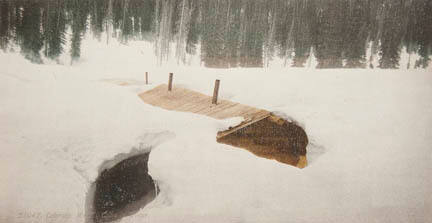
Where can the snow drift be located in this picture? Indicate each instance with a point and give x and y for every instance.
(369, 132)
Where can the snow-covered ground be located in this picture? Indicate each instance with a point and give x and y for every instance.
(370, 132)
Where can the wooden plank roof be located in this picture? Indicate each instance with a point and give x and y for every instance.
(185, 100)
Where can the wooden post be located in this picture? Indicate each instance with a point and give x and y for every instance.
(170, 81)
(216, 92)
(146, 77)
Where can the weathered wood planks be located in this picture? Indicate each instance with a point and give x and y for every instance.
(185, 100)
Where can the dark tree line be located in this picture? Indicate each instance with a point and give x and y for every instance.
(229, 33)
(40, 27)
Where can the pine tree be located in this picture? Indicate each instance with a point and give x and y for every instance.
(163, 26)
(79, 12)
(54, 28)
(127, 27)
(194, 29)
(391, 39)
(213, 49)
(5, 29)
(305, 16)
(408, 40)
(356, 34)
(423, 32)
(30, 35)
(331, 18)
(147, 14)
(252, 34)
(98, 14)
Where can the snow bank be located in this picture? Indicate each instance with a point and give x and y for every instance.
(370, 133)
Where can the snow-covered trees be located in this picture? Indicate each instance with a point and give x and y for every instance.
(230, 33)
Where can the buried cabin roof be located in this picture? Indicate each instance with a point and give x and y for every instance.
(262, 133)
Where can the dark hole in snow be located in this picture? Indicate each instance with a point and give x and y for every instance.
(122, 189)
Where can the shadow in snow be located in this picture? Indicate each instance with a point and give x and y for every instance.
(314, 151)
(122, 188)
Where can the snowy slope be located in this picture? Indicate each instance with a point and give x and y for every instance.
(370, 134)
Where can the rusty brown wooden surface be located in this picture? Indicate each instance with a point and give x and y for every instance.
(271, 138)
